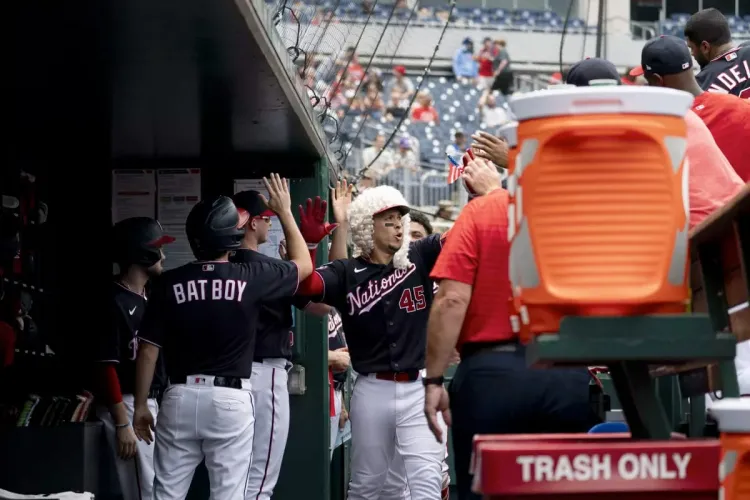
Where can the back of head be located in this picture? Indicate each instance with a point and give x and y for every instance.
(582, 73)
(708, 25)
(214, 227)
(137, 241)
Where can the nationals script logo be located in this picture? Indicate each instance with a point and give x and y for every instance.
(366, 295)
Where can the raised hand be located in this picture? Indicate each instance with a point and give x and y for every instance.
(312, 221)
(278, 191)
(481, 177)
(490, 148)
(341, 198)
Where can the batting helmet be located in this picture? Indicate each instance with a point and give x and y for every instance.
(138, 240)
(215, 226)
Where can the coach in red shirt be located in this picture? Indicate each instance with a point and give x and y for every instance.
(493, 391)
(666, 62)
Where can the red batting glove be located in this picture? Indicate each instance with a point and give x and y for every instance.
(312, 221)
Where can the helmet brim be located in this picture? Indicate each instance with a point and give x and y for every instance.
(403, 209)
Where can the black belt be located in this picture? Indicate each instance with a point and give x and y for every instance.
(474, 348)
(230, 382)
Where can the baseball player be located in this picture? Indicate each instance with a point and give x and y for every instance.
(204, 315)
(273, 354)
(137, 252)
(384, 294)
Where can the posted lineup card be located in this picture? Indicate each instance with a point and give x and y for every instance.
(574, 464)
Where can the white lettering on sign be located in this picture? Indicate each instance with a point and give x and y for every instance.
(630, 466)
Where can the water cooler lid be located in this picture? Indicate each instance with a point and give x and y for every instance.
(605, 99)
(509, 132)
(733, 415)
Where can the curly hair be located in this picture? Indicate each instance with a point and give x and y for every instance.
(362, 224)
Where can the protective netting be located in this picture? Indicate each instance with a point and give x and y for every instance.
(340, 50)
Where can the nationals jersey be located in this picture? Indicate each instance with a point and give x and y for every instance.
(274, 337)
(119, 345)
(728, 73)
(336, 340)
(204, 314)
(384, 310)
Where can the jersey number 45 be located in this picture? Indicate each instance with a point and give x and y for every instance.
(412, 299)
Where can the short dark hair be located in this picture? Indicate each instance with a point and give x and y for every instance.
(422, 219)
(708, 25)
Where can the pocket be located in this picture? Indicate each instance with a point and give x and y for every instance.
(227, 403)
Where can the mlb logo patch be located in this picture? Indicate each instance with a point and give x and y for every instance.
(208, 267)
(732, 56)
(686, 65)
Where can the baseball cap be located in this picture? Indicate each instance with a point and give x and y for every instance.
(404, 143)
(401, 70)
(251, 202)
(664, 55)
(593, 68)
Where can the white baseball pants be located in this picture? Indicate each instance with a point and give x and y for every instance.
(198, 420)
(136, 476)
(271, 398)
(387, 420)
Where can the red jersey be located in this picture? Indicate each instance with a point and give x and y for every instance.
(485, 62)
(728, 118)
(479, 240)
(424, 114)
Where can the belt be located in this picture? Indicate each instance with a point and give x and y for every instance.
(229, 382)
(474, 348)
(409, 376)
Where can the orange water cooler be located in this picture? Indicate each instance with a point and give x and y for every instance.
(598, 220)
(733, 415)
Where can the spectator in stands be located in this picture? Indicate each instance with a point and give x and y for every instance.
(486, 60)
(405, 158)
(373, 104)
(726, 116)
(492, 115)
(465, 67)
(420, 226)
(502, 71)
(712, 181)
(377, 161)
(424, 111)
(457, 149)
(402, 87)
(373, 81)
(348, 67)
(395, 109)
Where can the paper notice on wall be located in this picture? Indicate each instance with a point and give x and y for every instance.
(178, 191)
(133, 194)
(275, 233)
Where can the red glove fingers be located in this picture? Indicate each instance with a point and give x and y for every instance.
(312, 221)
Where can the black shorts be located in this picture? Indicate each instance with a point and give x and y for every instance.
(504, 83)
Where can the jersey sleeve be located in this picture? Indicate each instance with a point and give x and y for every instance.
(153, 327)
(459, 259)
(107, 344)
(428, 249)
(333, 276)
(274, 279)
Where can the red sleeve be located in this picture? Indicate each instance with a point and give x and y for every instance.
(312, 286)
(110, 384)
(459, 258)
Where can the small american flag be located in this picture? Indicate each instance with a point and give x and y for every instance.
(455, 171)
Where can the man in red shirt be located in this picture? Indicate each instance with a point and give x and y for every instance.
(424, 111)
(666, 62)
(493, 391)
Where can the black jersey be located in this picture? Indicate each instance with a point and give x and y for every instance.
(383, 309)
(728, 73)
(274, 336)
(119, 345)
(336, 340)
(204, 314)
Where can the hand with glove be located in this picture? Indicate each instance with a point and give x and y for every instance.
(312, 222)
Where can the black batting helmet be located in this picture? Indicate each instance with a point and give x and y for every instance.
(138, 240)
(215, 226)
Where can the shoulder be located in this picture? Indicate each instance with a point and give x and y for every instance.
(248, 256)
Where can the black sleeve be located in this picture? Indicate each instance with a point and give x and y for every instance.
(428, 249)
(333, 275)
(300, 302)
(152, 329)
(273, 279)
(107, 344)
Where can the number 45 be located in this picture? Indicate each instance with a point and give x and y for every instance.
(412, 299)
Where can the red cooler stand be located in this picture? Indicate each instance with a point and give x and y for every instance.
(594, 467)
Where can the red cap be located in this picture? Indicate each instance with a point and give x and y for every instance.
(400, 70)
(637, 71)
